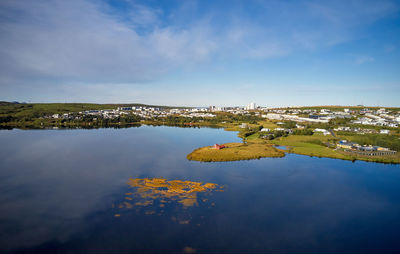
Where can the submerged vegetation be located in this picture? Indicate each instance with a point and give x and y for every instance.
(148, 191)
(235, 152)
(153, 196)
(159, 196)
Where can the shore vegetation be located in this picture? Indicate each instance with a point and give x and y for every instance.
(235, 152)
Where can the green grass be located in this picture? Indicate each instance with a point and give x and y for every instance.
(235, 152)
(21, 110)
(40, 109)
(253, 138)
(268, 124)
(307, 145)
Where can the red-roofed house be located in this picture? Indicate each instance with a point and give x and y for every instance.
(216, 146)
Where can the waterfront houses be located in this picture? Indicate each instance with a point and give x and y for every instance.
(367, 150)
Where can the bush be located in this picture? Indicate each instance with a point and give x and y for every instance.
(389, 141)
(308, 132)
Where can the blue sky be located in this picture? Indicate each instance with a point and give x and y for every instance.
(199, 53)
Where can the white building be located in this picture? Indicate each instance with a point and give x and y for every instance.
(381, 111)
(251, 106)
(274, 116)
(325, 132)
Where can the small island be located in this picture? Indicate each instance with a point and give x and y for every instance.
(234, 152)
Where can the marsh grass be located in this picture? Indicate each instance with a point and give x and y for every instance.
(235, 152)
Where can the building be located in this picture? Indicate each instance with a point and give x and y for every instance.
(384, 132)
(372, 152)
(381, 111)
(251, 106)
(367, 150)
(323, 131)
(218, 147)
(274, 116)
(345, 144)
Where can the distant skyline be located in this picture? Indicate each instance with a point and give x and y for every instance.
(201, 53)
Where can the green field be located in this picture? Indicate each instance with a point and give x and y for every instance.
(38, 115)
(20, 110)
(315, 146)
(235, 152)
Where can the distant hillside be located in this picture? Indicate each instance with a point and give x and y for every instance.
(29, 110)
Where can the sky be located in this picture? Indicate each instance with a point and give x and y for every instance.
(201, 53)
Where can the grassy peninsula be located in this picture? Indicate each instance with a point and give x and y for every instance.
(317, 145)
(235, 152)
(256, 146)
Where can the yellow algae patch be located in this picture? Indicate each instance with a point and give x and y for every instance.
(158, 191)
(117, 215)
(185, 192)
(189, 250)
(210, 185)
(188, 201)
(235, 152)
(128, 205)
(144, 203)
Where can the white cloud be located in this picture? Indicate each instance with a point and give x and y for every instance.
(364, 59)
(83, 41)
(388, 48)
(142, 15)
(76, 40)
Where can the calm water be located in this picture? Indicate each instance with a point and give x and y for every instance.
(72, 191)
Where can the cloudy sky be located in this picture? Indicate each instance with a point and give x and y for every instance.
(199, 53)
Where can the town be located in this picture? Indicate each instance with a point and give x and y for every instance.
(316, 131)
(364, 116)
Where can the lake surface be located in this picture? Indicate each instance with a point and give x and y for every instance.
(82, 191)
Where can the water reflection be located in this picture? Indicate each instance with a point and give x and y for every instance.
(157, 192)
(57, 188)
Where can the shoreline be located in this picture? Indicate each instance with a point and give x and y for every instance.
(235, 152)
(294, 145)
